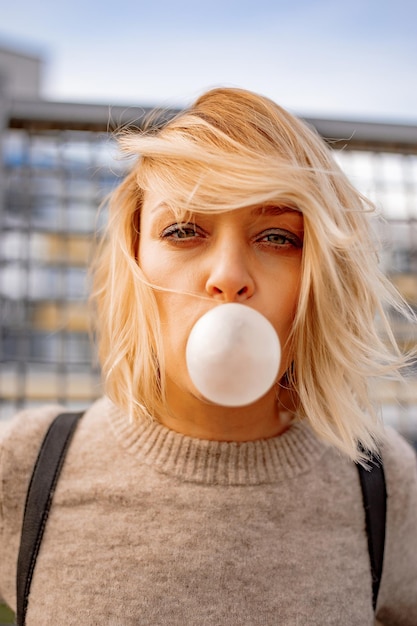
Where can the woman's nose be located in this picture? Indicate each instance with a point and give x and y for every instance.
(229, 278)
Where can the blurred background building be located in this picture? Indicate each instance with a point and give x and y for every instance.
(57, 163)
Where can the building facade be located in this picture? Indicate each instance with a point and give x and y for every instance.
(59, 161)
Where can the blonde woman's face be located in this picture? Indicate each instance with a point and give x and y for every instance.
(251, 256)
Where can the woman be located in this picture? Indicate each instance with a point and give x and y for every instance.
(172, 509)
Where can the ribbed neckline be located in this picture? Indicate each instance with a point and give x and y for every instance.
(217, 462)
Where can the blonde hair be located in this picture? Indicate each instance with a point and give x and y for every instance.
(232, 149)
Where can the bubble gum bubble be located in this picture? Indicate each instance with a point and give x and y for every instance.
(233, 355)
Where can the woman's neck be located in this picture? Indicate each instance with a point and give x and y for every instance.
(193, 416)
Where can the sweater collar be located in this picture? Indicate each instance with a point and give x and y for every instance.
(218, 462)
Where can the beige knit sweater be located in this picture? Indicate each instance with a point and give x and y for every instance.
(153, 528)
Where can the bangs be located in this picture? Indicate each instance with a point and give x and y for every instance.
(185, 185)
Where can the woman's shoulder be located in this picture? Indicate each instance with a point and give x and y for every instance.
(400, 467)
(398, 456)
(22, 434)
(20, 440)
(397, 598)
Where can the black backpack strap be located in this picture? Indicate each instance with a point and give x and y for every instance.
(374, 494)
(38, 503)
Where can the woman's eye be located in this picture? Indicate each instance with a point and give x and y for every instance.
(280, 238)
(180, 231)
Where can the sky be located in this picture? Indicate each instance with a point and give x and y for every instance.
(355, 59)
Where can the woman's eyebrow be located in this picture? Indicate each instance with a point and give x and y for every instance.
(274, 210)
